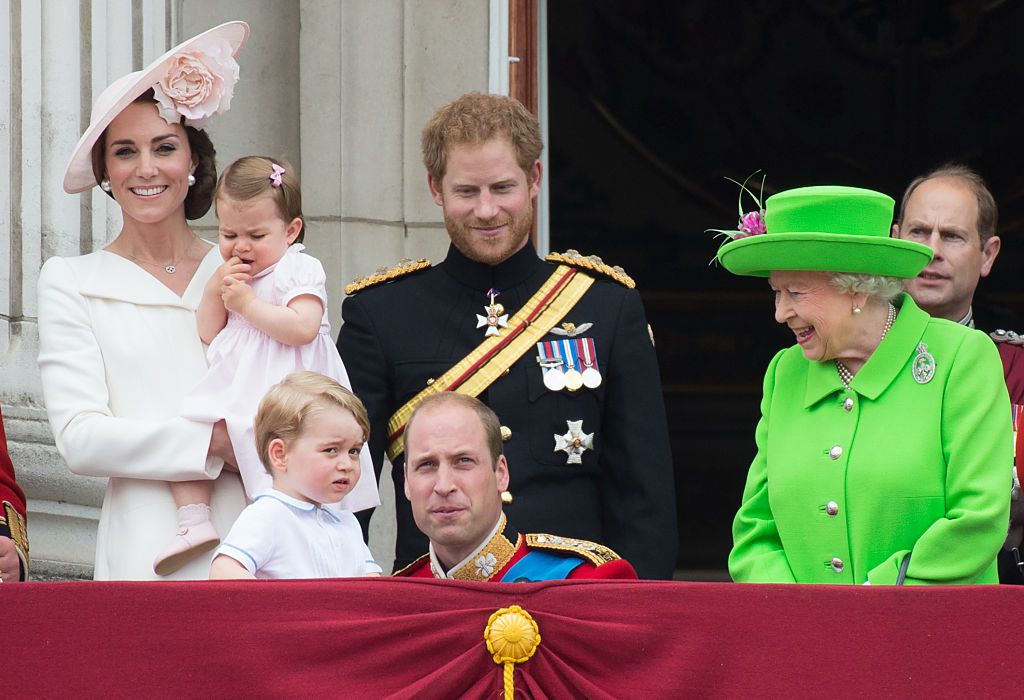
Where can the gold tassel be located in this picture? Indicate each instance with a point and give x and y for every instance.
(512, 637)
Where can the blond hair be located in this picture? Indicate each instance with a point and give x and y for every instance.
(250, 177)
(284, 409)
(476, 118)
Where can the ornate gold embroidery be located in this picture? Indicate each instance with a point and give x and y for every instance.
(404, 267)
(593, 263)
(492, 557)
(16, 524)
(596, 553)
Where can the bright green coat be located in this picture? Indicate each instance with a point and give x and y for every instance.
(924, 468)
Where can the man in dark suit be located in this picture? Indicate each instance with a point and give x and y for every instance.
(952, 211)
(558, 348)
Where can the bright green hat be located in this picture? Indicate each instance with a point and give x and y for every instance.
(828, 228)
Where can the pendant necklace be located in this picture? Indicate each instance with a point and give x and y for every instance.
(171, 267)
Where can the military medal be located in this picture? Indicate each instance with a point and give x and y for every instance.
(573, 378)
(496, 317)
(923, 366)
(575, 442)
(551, 364)
(591, 374)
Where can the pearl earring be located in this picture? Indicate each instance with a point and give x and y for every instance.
(856, 309)
(105, 185)
(191, 179)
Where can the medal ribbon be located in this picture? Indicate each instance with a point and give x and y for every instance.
(481, 367)
(589, 353)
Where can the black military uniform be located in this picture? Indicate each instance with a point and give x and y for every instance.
(399, 335)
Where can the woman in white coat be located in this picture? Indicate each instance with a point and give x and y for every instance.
(119, 345)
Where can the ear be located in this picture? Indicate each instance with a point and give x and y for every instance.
(405, 481)
(501, 473)
(536, 174)
(895, 230)
(293, 230)
(277, 451)
(435, 190)
(989, 252)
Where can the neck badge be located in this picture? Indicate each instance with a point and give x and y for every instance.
(575, 442)
(496, 317)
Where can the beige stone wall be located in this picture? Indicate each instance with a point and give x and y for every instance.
(341, 88)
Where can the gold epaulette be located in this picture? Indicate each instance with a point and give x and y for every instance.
(593, 552)
(592, 263)
(414, 564)
(404, 267)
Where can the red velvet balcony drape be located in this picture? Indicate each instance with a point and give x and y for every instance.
(420, 638)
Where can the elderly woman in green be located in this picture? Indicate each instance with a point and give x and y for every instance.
(884, 447)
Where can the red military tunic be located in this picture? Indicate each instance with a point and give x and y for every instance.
(12, 505)
(509, 557)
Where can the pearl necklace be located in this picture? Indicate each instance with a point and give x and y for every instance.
(845, 375)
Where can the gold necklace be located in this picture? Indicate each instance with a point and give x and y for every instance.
(845, 375)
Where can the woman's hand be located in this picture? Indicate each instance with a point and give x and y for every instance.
(220, 446)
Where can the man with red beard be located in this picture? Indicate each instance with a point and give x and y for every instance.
(558, 348)
(952, 211)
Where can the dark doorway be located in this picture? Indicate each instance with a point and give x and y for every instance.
(652, 104)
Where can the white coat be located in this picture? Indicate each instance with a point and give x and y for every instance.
(117, 352)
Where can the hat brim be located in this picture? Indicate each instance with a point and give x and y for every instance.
(78, 176)
(758, 256)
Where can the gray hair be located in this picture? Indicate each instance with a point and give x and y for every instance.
(881, 286)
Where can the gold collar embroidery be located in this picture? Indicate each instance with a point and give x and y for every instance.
(493, 555)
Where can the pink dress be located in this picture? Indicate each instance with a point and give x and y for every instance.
(245, 362)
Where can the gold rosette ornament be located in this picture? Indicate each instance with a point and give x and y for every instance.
(512, 637)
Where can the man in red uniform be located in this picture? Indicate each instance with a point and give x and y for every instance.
(13, 536)
(952, 211)
(454, 475)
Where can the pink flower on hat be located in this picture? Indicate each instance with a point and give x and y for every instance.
(751, 224)
(198, 84)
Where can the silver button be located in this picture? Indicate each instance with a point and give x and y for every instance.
(832, 508)
(837, 564)
(848, 404)
(836, 452)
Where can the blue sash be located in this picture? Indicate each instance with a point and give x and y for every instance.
(541, 566)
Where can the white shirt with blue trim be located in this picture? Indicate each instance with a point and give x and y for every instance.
(278, 536)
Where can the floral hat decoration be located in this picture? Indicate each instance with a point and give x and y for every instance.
(192, 82)
(828, 228)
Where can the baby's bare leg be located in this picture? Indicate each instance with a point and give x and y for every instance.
(188, 492)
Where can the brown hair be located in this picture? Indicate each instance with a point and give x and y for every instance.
(488, 418)
(284, 409)
(200, 195)
(476, 118)
(249, 177)
(988, 212)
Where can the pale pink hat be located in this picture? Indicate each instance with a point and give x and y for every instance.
(194, 80)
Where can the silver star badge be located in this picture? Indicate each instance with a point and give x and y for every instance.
(574, 442)
(492, 320)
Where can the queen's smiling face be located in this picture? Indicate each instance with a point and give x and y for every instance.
(818, 314)
(147, 162)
